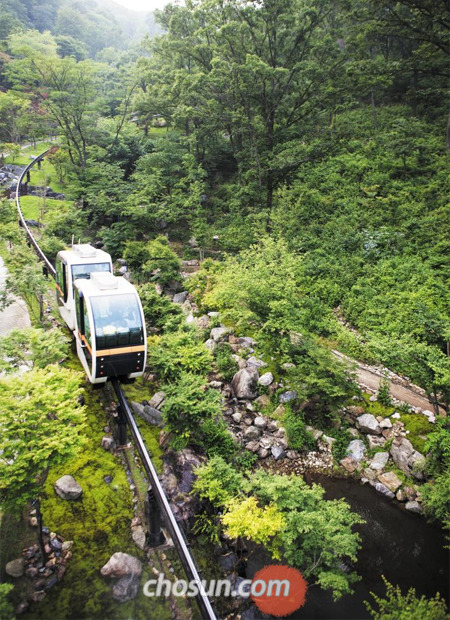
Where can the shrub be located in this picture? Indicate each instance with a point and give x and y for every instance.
(174, 353)
(159, 311)
(187, 406)
(297, 435)
(225, 364)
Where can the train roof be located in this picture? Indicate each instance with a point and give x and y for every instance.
(103, 282)
(84, 253)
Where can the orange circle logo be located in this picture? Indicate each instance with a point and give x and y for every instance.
(278, 590)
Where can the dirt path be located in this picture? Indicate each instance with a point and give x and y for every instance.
(412, 394)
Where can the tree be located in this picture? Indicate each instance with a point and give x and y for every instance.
(287, 515)
(32, 347)
(397, 606)
(42, 427)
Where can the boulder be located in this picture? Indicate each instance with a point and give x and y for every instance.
(252, 433)
(257, 363)
(263, 453)
(278, 452)
(253, 446)
(121, 564)
(15, 568)
(287, 397)
(356, 449)
(328, 440)
(210, 344)
(138, 536)
(386, 423)
(355, 411)
(349, 464)
(126, 588)
(383, 490)
(375, 441)
(157, 400)
(266, 379)
(390, 480)
(260, 422)
(379, 460)
(180, 298)
(147, 413)
(217, 333)
(68, 488)
(244, 383)
(413, 506)
(367, 423)
(237, 417)
(407, 458)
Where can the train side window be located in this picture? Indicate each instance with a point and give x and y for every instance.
(86, 324)
(79, 307)
(61, 278)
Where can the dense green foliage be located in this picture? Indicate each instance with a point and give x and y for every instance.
(397, 606)
(278, 511)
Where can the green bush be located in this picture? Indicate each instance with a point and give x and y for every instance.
(225, 364)
(159, 311)
(297, 435)
(173, 353)
(188, 405)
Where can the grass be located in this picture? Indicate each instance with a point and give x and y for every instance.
(418, 427)
(24, 157)
(32, 206)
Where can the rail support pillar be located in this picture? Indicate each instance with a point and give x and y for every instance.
(122, 426)
(155, 536)
(28, 176)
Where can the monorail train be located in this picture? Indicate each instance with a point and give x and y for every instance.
(103, 311)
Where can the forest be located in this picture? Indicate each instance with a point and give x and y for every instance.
(298, 151)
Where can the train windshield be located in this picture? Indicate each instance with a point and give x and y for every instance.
(117, 321)
(84, 271)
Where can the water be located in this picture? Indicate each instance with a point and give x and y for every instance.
(402, 546)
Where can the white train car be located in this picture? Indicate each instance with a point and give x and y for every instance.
(109, 327)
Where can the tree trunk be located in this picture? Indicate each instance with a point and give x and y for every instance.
(39, 532)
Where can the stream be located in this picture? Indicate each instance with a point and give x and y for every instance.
(400, 545)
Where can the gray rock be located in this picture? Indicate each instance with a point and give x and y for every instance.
(180, 298)
(353, 432)
(263, 453)
(138, 536)
(396, 416)
(383, 490)
(147, 413)
(157, 400)
(266, 379)
(257, 363)
(123, 269)
(375, 441)
(413, 506)
(367, 423)
(356, 449)
(266, 442)
(390, 480)
(328, 440)
(260, 422)
(252, 433)
(210, 344)
(15, 568)
(355, 411)
(217, 333)
(247, 342)
(227, 562)
(126, 588)
(237, 417)
(406, 458)
(121, 564)
(253, 446)
(244, 383)
(349, 464)
(386, 423)
(108, 443)
(292, 455)
(278, 452)
(379, 460)
(287, 397)
(67, 487)
(315, 432)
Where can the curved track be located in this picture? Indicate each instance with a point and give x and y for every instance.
(174, 529)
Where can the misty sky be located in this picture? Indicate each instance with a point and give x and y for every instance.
(143, 5)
